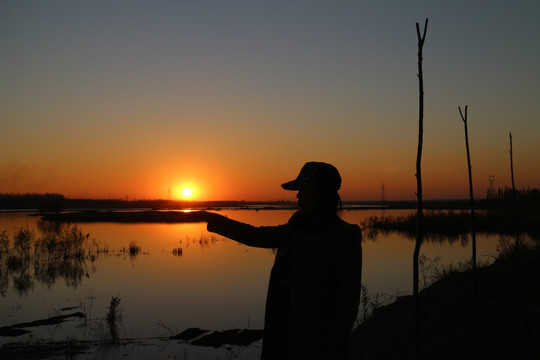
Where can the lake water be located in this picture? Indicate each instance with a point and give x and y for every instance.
(186, 277)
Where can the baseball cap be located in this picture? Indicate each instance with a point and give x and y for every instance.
(314, 173)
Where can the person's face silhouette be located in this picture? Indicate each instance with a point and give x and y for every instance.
(309, 199)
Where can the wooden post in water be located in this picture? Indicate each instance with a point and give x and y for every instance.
(419, 229)
(473, 230)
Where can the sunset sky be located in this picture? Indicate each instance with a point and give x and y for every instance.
(108, 99)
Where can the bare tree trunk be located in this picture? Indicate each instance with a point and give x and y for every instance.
(473, 230)
(516, 230)
(420, 217)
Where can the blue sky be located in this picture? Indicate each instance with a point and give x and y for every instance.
(110, 98)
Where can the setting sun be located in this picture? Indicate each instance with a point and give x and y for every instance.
(187, 192)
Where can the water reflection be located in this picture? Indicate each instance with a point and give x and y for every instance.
(373, 234)
(53, 227)
(16, 260)
(26, 258)
(62, 251)
(183, 276)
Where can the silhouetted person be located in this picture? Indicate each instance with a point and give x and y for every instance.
(314, 290)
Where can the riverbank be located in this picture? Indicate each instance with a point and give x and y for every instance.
(501, 322)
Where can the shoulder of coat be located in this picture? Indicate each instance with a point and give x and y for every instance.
(348, 227)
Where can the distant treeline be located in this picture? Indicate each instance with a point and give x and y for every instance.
(53, 202)
(57, 202)
(502, 198)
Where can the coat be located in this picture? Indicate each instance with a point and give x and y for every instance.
(314, 288)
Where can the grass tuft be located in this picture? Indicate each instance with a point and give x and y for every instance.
(134, 249)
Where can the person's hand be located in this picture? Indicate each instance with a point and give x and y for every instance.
(205, 215)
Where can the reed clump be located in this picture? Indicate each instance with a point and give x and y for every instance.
(24, 257)
(18, 256)
(134, 249)
(113, 316)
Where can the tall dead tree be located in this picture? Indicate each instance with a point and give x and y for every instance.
(471, 196)
(420, 217)
(514, 200)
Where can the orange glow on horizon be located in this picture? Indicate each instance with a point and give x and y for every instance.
(247, 179)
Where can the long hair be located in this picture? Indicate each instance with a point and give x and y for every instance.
(331, 205)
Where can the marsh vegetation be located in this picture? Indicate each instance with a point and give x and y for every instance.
(67, 254)
(27, 258)
(452, 224)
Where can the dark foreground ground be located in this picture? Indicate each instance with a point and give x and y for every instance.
(501, 322)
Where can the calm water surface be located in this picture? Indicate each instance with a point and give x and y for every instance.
(186, 277)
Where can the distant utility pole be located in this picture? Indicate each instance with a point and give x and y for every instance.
(169, 197)
(383, 198)
(491, 190)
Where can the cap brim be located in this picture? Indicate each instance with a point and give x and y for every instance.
(291, 185)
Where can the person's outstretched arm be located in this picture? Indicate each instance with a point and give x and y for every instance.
(263, 236)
